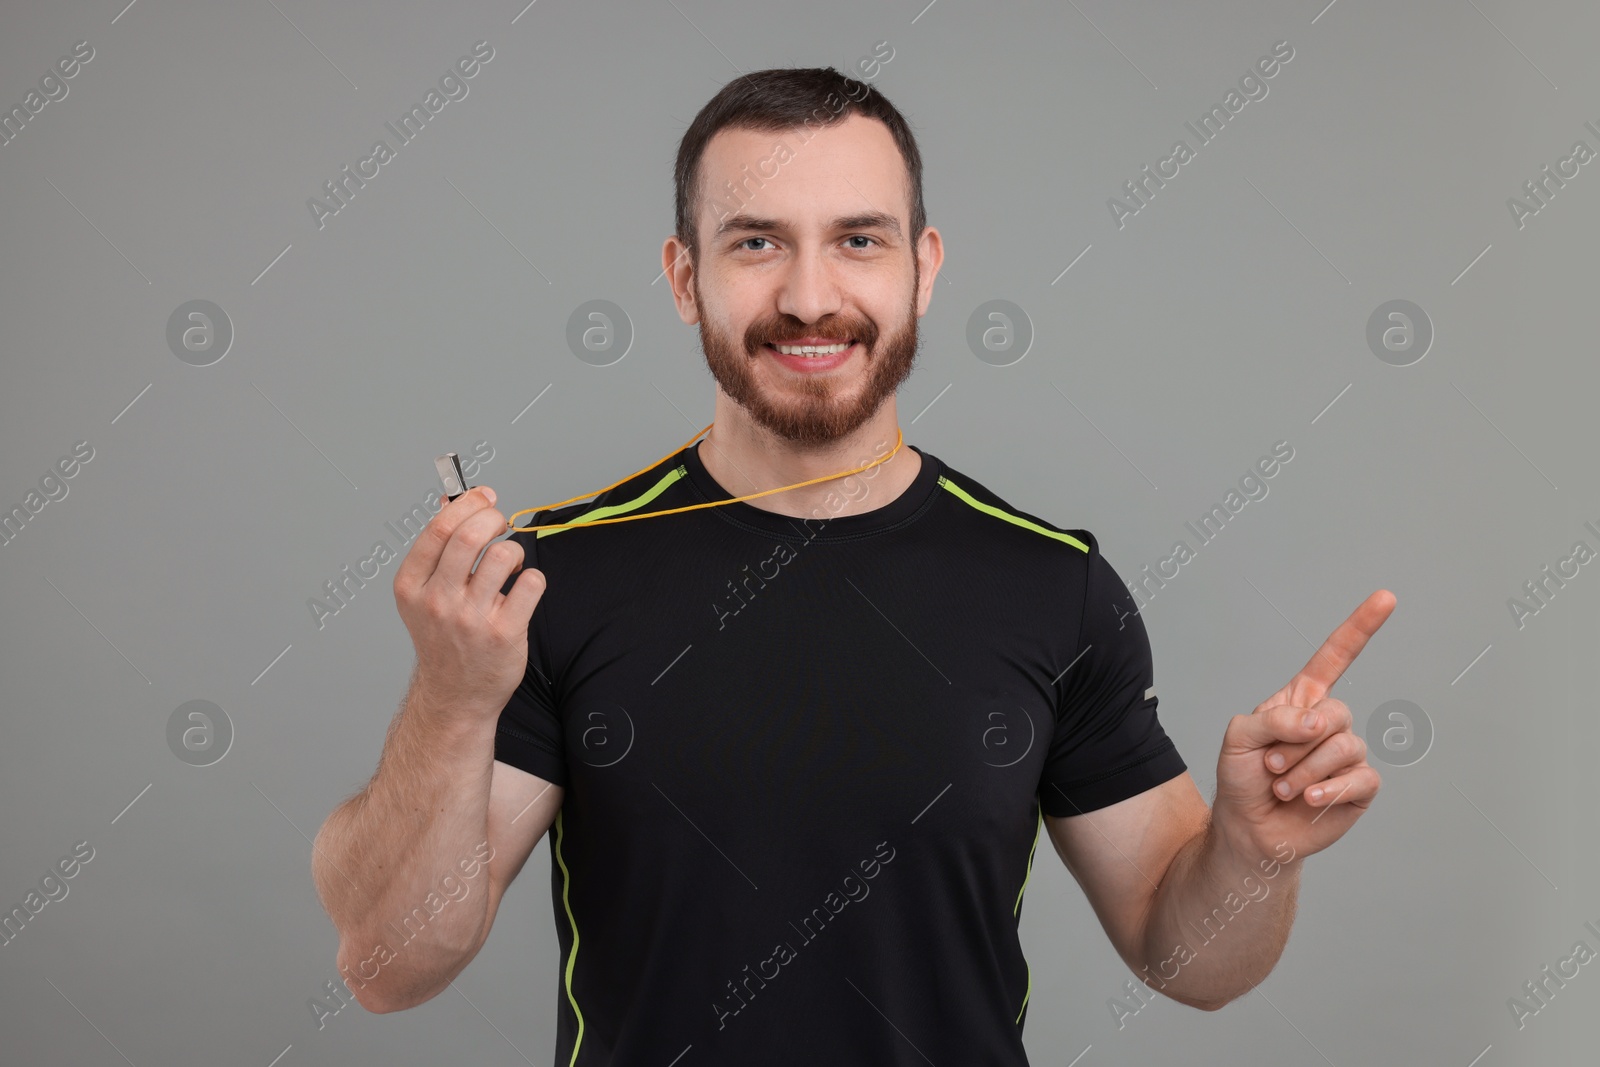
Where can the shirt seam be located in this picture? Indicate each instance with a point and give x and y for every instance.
(521, 735)
(1083, 613)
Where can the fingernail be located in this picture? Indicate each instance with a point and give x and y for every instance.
(1282, 788)
(1276, 761)
(489, 494)
(1315, 794)
(1309, 719)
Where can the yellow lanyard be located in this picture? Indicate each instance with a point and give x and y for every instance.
(691, 507)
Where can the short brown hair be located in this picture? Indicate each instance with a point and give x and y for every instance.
(787, 98)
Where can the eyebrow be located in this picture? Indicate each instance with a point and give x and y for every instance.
(870, 220)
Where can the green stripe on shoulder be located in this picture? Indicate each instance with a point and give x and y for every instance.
(1017, 520)
(630, 505)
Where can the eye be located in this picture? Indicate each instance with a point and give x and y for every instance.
(747, 240)
(861, 237)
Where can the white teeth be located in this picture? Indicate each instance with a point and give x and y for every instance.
(810, 350)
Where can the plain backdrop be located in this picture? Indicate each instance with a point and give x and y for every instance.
(431, 313)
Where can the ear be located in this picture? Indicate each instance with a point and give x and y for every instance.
(930, 255)
(678, 268)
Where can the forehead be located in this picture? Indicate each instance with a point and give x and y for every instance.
(805, 174)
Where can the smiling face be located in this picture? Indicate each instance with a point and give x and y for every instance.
(817, 255)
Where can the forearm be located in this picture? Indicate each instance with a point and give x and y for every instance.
(382, 859)
(1219, 921)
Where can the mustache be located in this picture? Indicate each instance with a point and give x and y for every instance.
(861, 333)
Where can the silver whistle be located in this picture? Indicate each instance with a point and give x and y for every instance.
(450, 474)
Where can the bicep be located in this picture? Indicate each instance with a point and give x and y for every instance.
(522, 807)
(1120, 853)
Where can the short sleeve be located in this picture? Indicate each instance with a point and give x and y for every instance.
(1108, 743)
(529, 733)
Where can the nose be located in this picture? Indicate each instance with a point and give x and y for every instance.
(809, 290)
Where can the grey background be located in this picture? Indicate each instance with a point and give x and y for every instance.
(1228, 314)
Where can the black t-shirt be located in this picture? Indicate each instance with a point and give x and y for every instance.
(807, 760)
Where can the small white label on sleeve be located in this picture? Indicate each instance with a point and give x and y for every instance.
(1148, 693)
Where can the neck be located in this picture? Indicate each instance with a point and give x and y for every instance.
(745, 457)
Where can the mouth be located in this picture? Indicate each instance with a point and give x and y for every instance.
(811, 358)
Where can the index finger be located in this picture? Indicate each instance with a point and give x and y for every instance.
(423, 559)
(1329, 662)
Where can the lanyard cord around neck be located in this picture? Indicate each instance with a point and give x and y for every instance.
(511, 523)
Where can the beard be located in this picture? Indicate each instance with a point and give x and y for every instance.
(810, 411)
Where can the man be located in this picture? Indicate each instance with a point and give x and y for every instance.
(797, 751)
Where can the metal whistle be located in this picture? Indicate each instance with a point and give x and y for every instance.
(450, 474)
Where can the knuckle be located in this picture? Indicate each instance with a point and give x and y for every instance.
(1343, 748)
(437, 605)
(486, 518)
(508, 551)
(437, 530)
